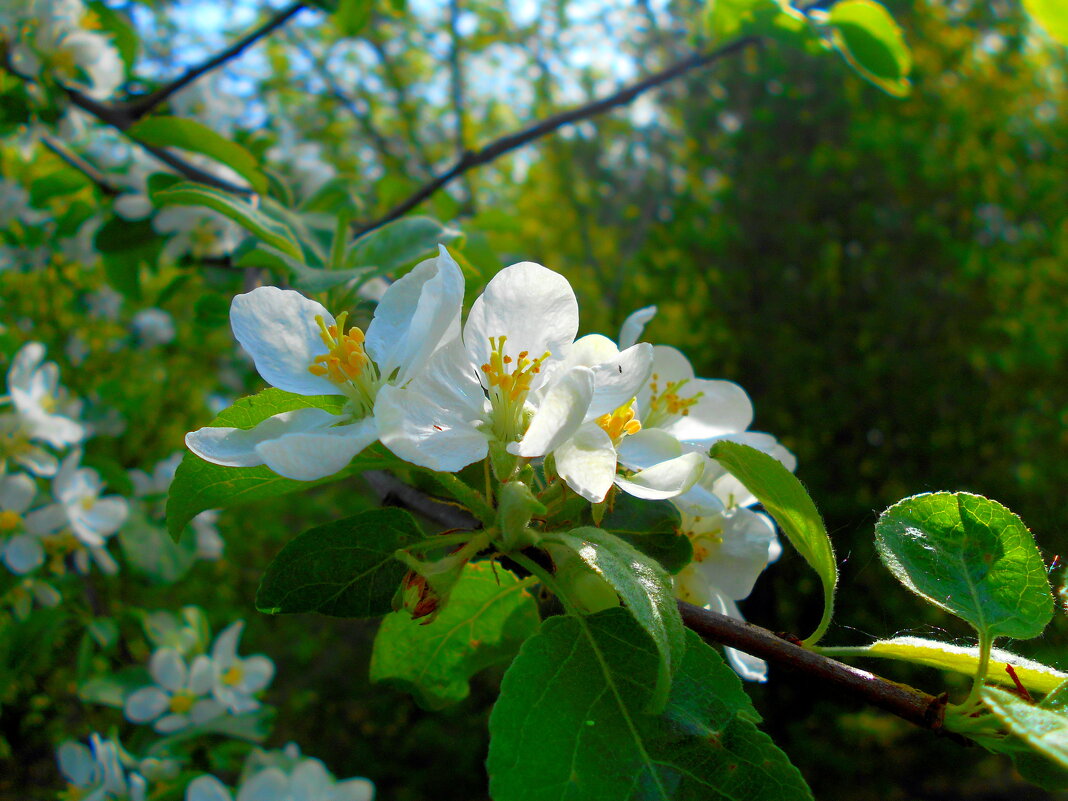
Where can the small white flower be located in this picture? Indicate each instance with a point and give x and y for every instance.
(308, 781)
(99, 773)
(153, 327)
(42, 412)
(236, 680)
(159, 481)
(77, 490)
(180, 696)
(504, 383)
(299, 347)
(20, 547)
(210, 544)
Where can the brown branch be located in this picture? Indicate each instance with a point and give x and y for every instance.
(394, 492)
(77, 162)
(908, 703)
(140, 106)
(505, 144)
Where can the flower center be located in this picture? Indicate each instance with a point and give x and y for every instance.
(181, 702)
(48, 403)
(668, 403)
(508, 383)
(233, 675)
(9, 521)
(87, 503)
(620, 422)
(346, 363)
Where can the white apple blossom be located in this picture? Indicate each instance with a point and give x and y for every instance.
(153, 327)
(298, 346)
(99, 774)
(42, 412)
(180, 697)
(234, 679)
(509, 381)
(20, 546)
(309, 781)
(79, 508)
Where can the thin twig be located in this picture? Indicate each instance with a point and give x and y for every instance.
(394, 492)
(505, 144)
(908, 703)
(140, 106)
(80, 164)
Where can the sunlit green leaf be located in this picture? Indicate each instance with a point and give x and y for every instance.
(871, 42)
(1052, 15)
(972, 557)
(489, 614)
(653, 528)
(785, 499)
(570, 723)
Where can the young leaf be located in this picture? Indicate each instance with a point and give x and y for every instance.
(575, 696)
(398, 243)
(645, 588)
(343, 569)
(198, 138)
(352, 16)
(1033, 675)
(653, 528)
(489, 615)
(244, 214)
(785, 499)
(872, 44)
(1050, 14)
(972, 557)
(1045, 730)
(200, 485)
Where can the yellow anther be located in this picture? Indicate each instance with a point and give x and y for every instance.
(514, 382)
(233, 675)
(345, 359)
(48, 404)
(9, 521)
(181, 702)
(620, 422)
(87, 503)
(669, 402)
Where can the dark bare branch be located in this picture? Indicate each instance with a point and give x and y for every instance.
(140, 106)
(80, 164)
(505, 144)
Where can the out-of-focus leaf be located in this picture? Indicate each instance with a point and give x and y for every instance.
(872, 43)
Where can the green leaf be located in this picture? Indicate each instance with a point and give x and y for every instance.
(653, 528)
(1045, 730)
(1051, 15)
(125, 245)
(244, 214)
(111, 690)
(1033, 675)
(970, 556)
(123, 33)
(785, 498)
(489, 615)
(732, 19)
(149, 551)
(569, 723)
(872, 44)
(645, 588)
(346, 568)
(398, 243)
(198, 138)
(352, 16)
(200, 485)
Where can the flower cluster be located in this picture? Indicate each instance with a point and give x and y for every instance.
(513, 385)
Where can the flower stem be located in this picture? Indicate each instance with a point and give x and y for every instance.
(468, 496)
(986, 642)
(545, 577)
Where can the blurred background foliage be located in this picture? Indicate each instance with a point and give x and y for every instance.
(886, 277)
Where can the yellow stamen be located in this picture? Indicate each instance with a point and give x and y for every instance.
(9, 521)
(87, 503)
(345, 359)
(669, 403)
(514, 382)
(620, 422)
(233, 675)
(181, 702)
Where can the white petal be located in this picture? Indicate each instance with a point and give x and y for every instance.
(634, 325)
(22, 554)
(76, 763)
(723, 408)
(224, 651)
(145, 704)
(206, 709)
(207, 788)
(200, 675)
(16, 493)
(103, 519)
(734, 565)
(257, 673)
(168, 669)
(618, 380)
(664, 480)
(47, 519)
(354, 790)
(172, 723)
(278, 330)
(417, 314)
(267, 785)
(648, 447)
(313, 455)
(559, 414)
(531, 305)
(422, 431)
(669, 366)
(23, 366)
(310, 780)
(38, 461)
(587, 462)
(236, 447)
(55, 429)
